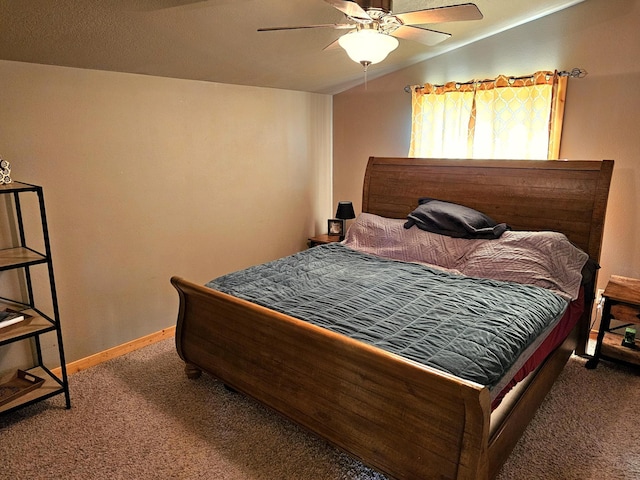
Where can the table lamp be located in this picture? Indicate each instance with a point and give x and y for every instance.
(344, 213)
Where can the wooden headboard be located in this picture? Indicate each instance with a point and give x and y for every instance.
(562, 196)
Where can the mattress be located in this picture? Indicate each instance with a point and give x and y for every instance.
(477, 329)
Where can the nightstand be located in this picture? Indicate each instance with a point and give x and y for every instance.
(622, 304)
(322, 239)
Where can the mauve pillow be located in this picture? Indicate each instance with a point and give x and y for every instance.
(453, 220)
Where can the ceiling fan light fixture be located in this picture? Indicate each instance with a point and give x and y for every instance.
(368, 46)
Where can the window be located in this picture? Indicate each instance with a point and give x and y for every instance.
(502, 118)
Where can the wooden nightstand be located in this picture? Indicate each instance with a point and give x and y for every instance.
(322, 239)
(621, 303)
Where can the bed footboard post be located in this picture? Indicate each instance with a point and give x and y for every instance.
(474, 455)
(192, 371)
(177, 282)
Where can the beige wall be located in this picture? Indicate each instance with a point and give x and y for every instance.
(601, 117)
(147, 177)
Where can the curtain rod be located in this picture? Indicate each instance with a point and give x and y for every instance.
(574, 73)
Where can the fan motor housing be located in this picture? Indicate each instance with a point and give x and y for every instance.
(384, 5)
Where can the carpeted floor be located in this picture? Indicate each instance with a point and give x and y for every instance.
(139, 417)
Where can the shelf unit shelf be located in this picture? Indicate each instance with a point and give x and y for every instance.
(17, 257)
(36, 325)
(52, 386)
(23, 259)
(612, 348)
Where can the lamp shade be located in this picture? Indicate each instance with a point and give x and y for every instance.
(368, 46)
(345, 211)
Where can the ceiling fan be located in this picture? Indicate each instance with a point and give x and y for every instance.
(374, 26)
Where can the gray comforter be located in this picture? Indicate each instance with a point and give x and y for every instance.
(473, 328)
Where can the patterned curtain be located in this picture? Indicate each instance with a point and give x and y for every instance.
(502, 118)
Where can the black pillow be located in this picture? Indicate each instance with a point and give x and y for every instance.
(589, 271)
(453, 220)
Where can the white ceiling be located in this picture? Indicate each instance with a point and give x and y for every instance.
(218, 41)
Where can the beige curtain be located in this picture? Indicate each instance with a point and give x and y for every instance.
(502, 118)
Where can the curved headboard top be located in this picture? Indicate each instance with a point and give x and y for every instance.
(562, 196)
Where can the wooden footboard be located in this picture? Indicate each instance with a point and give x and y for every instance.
(395, 415)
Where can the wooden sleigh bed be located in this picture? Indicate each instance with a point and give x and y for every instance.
(395, 415)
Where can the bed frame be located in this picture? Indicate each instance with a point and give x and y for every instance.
(397, 416)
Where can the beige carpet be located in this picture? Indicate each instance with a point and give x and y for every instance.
(138, 417)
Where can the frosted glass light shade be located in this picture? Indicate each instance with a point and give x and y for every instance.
(368, 46)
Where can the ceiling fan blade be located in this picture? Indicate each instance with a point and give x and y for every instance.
(349, 8)
(332, 46)
(425, 36)
(157, 5)
(453, 13)
(338, 26)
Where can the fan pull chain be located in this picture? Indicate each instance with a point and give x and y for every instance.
(365, 64)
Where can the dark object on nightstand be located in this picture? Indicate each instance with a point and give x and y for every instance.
(629, 339)
(621, 303)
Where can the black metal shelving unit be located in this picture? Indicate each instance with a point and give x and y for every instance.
(23, 258)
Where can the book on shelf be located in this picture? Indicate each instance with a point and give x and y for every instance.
(10, 317)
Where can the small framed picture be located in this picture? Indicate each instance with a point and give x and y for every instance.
(335, 227)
